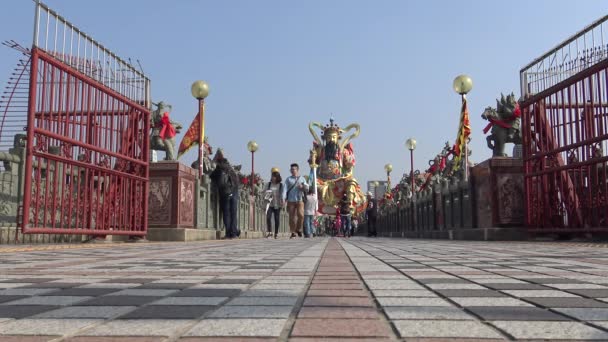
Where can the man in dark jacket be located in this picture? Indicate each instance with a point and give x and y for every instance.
(227, 183)
(371, 212)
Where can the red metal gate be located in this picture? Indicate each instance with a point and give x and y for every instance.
(86, 168)
(565, 131)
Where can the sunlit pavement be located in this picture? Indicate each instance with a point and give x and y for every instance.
(305, 290)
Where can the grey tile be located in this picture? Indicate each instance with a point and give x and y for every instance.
(230, 281)
(139, 327)
(190, 301)
(18, 311)
(263, 301)
(174, 286)
(44, 326)
(86, 312)
(93, 292)
(552, 280)
(207, 293)
(555, 302)
(168, 312)
(4, 299)
(550, 330)
(120, 301)
(445, 329)
(238, 327)
(489, 301)
(470, 293)
(51, 286)
(412, 301)
(130, 280)
(593, 293)
(427, 312)
(443, 281)
(587, 314)
(29, 280)
(506, 286)
(515, 313)
(252, 311)
(48, 300)
(144, 292)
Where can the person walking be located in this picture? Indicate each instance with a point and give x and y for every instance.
(371, 212)
(227, 183)
(310, 209)
(294, 191)
(274, 202)
(345, 216)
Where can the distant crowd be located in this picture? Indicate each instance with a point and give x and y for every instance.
(296, 196)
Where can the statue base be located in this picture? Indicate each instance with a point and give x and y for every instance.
(171, 199)
(498, 185)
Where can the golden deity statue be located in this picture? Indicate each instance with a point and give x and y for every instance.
(333, 159)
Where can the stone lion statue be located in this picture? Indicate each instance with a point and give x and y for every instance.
(162, 135)
(505, 121)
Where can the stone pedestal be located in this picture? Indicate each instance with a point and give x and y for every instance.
(498, 185)
(171, 201)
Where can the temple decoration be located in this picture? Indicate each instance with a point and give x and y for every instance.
(332, 159)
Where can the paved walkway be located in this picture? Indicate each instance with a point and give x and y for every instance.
(305, 290)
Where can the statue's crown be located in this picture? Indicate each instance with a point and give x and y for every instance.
(331, 127)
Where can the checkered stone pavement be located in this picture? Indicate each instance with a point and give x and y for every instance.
(305, 290)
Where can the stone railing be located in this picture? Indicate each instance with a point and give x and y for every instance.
(176, 213)
(488, 206)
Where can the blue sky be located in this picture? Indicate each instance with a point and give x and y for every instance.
(274, 66)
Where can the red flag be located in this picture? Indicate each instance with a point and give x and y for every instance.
(191, 137)
(463, 134)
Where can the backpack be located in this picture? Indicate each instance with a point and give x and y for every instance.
(225, 183)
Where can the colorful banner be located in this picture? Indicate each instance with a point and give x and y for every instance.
(463, 134)
(191, 138)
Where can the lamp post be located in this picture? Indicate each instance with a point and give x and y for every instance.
(411, 145)
(462, 85)
(200, 90)
(252, 146)
(388, 168)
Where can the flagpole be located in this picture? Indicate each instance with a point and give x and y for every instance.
(201, 142)
(466, 149)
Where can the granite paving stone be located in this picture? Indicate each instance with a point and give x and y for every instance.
(586, 314)
(22, 311)
(550, 330)
(515, 313)
(412, 301)
(119, 301)
(168, 312)
(251, 311)
(238, 327)
(45, 326)
(137, 327)
(190, 301)
(442, 328)
(48, 300)
(539, 293)
(426, 312)
(470, 293)
(556, 302)
(263, 301)
(144, 292)
(489, 301)
(207, 293)
(86, 312)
